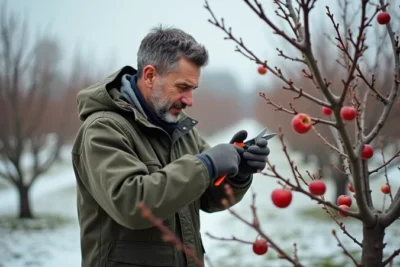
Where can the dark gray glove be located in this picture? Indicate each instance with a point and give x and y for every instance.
(225, 159)
(253, 159)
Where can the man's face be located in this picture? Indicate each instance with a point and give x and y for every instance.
(174, 92)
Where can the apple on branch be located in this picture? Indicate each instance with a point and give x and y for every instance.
(383, 18)
(344, 200)
(344, 207)
(260, 247)
(262, 70)
(317, 187)
(281, 197)
(301, 123)
(351, 189)
(367, 152)
(385, 189)
(348, 113)
(326, 110)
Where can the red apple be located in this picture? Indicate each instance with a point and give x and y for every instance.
(262, 70)
(301, 123)
(317, 187)
(348, 113)
(367, 152)
(281, 197)
(344, 200)
(344, 207)
(351, 189)
(385, 189)
(260, 247)
(383, 18)
(326, 110)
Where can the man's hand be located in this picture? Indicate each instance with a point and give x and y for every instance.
(254, 158)
(225, 159)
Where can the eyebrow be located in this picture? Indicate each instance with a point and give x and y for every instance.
(187, 84)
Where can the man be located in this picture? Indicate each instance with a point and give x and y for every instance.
(137, 145)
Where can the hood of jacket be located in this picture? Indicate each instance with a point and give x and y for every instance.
(103, 96)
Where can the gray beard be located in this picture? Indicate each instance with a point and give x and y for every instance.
(161, 106)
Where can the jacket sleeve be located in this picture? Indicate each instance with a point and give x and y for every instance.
(211, 198)
(118, 180)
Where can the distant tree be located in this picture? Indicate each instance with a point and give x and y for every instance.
(34, 113)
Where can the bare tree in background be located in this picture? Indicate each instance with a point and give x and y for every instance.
(334, 65)
(34, 113)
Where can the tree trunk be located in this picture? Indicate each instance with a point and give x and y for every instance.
(372, 250)
(340, 181)
(24, 203)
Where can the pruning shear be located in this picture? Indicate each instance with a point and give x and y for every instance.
(246, 145)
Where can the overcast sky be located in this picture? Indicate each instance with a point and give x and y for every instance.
(115, 28)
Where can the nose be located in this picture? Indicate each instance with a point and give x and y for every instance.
(187, 98)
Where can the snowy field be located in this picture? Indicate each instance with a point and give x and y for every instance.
(57, 243)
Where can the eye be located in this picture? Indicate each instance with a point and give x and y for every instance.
(183, 87)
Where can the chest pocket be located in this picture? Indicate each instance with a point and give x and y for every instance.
(130, 254)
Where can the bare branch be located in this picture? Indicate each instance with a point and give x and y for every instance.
(329, 144)
(347, 253)
(294, 112)
(168, 235)
(395, 156)
(391, 257)
(242, 48)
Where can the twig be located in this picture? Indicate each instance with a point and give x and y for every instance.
(295, 59)
(168, 235)
(294, 112)
(344, 249)
(386, 163)
(329, 144)
(233, 238)
(258, 9)
(385, 167)
(295, 256)
(341, 225)
(391, 257)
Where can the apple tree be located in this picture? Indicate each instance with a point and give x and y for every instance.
(339, 109)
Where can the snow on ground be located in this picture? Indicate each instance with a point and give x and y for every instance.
(55, 194)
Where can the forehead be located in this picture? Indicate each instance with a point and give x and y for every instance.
(187, 72)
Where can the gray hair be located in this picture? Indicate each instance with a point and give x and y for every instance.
(162, 48)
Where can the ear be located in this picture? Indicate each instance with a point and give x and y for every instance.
(149, 73)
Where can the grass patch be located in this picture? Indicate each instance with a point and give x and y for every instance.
(39, 223)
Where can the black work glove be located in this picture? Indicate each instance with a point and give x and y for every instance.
(253, 159)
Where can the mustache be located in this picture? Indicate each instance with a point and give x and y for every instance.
(179, 105)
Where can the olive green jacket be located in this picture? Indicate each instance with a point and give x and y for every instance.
(119, 159)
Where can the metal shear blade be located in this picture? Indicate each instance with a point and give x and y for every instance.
(260, 135)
